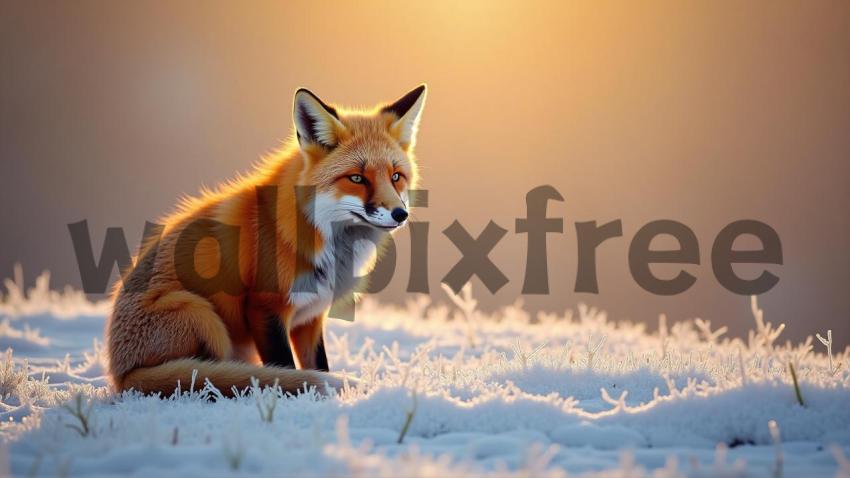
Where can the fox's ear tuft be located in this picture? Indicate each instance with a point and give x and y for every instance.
(315, 122)
(407, 111)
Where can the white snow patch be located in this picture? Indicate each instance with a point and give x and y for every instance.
(497, 394)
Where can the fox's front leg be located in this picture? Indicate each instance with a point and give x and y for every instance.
(309, 344)
(269, 332)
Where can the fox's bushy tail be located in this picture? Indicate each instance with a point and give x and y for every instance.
(225, 375)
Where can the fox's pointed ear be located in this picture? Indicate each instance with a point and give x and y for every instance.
(407, 111)
(316, 122)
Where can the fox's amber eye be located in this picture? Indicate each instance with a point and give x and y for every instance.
(356, 178)
(396, 177)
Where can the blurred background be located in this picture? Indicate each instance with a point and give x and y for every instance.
(701, 112)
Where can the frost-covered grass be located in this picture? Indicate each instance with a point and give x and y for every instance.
(441, 390)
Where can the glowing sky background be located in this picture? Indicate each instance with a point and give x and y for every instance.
(702, 112)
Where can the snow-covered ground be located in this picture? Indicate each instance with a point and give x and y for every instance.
(463, 392)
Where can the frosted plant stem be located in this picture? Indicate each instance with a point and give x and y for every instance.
(796, 385)
(407, 420)
(828, 343)
(777, 444)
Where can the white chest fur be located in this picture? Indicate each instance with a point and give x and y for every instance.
(337, 269)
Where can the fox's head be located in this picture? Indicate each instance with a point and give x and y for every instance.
(360, 162)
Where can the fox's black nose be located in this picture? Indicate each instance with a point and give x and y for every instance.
(399, 214)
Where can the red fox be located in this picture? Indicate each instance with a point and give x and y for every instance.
(341, 166)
